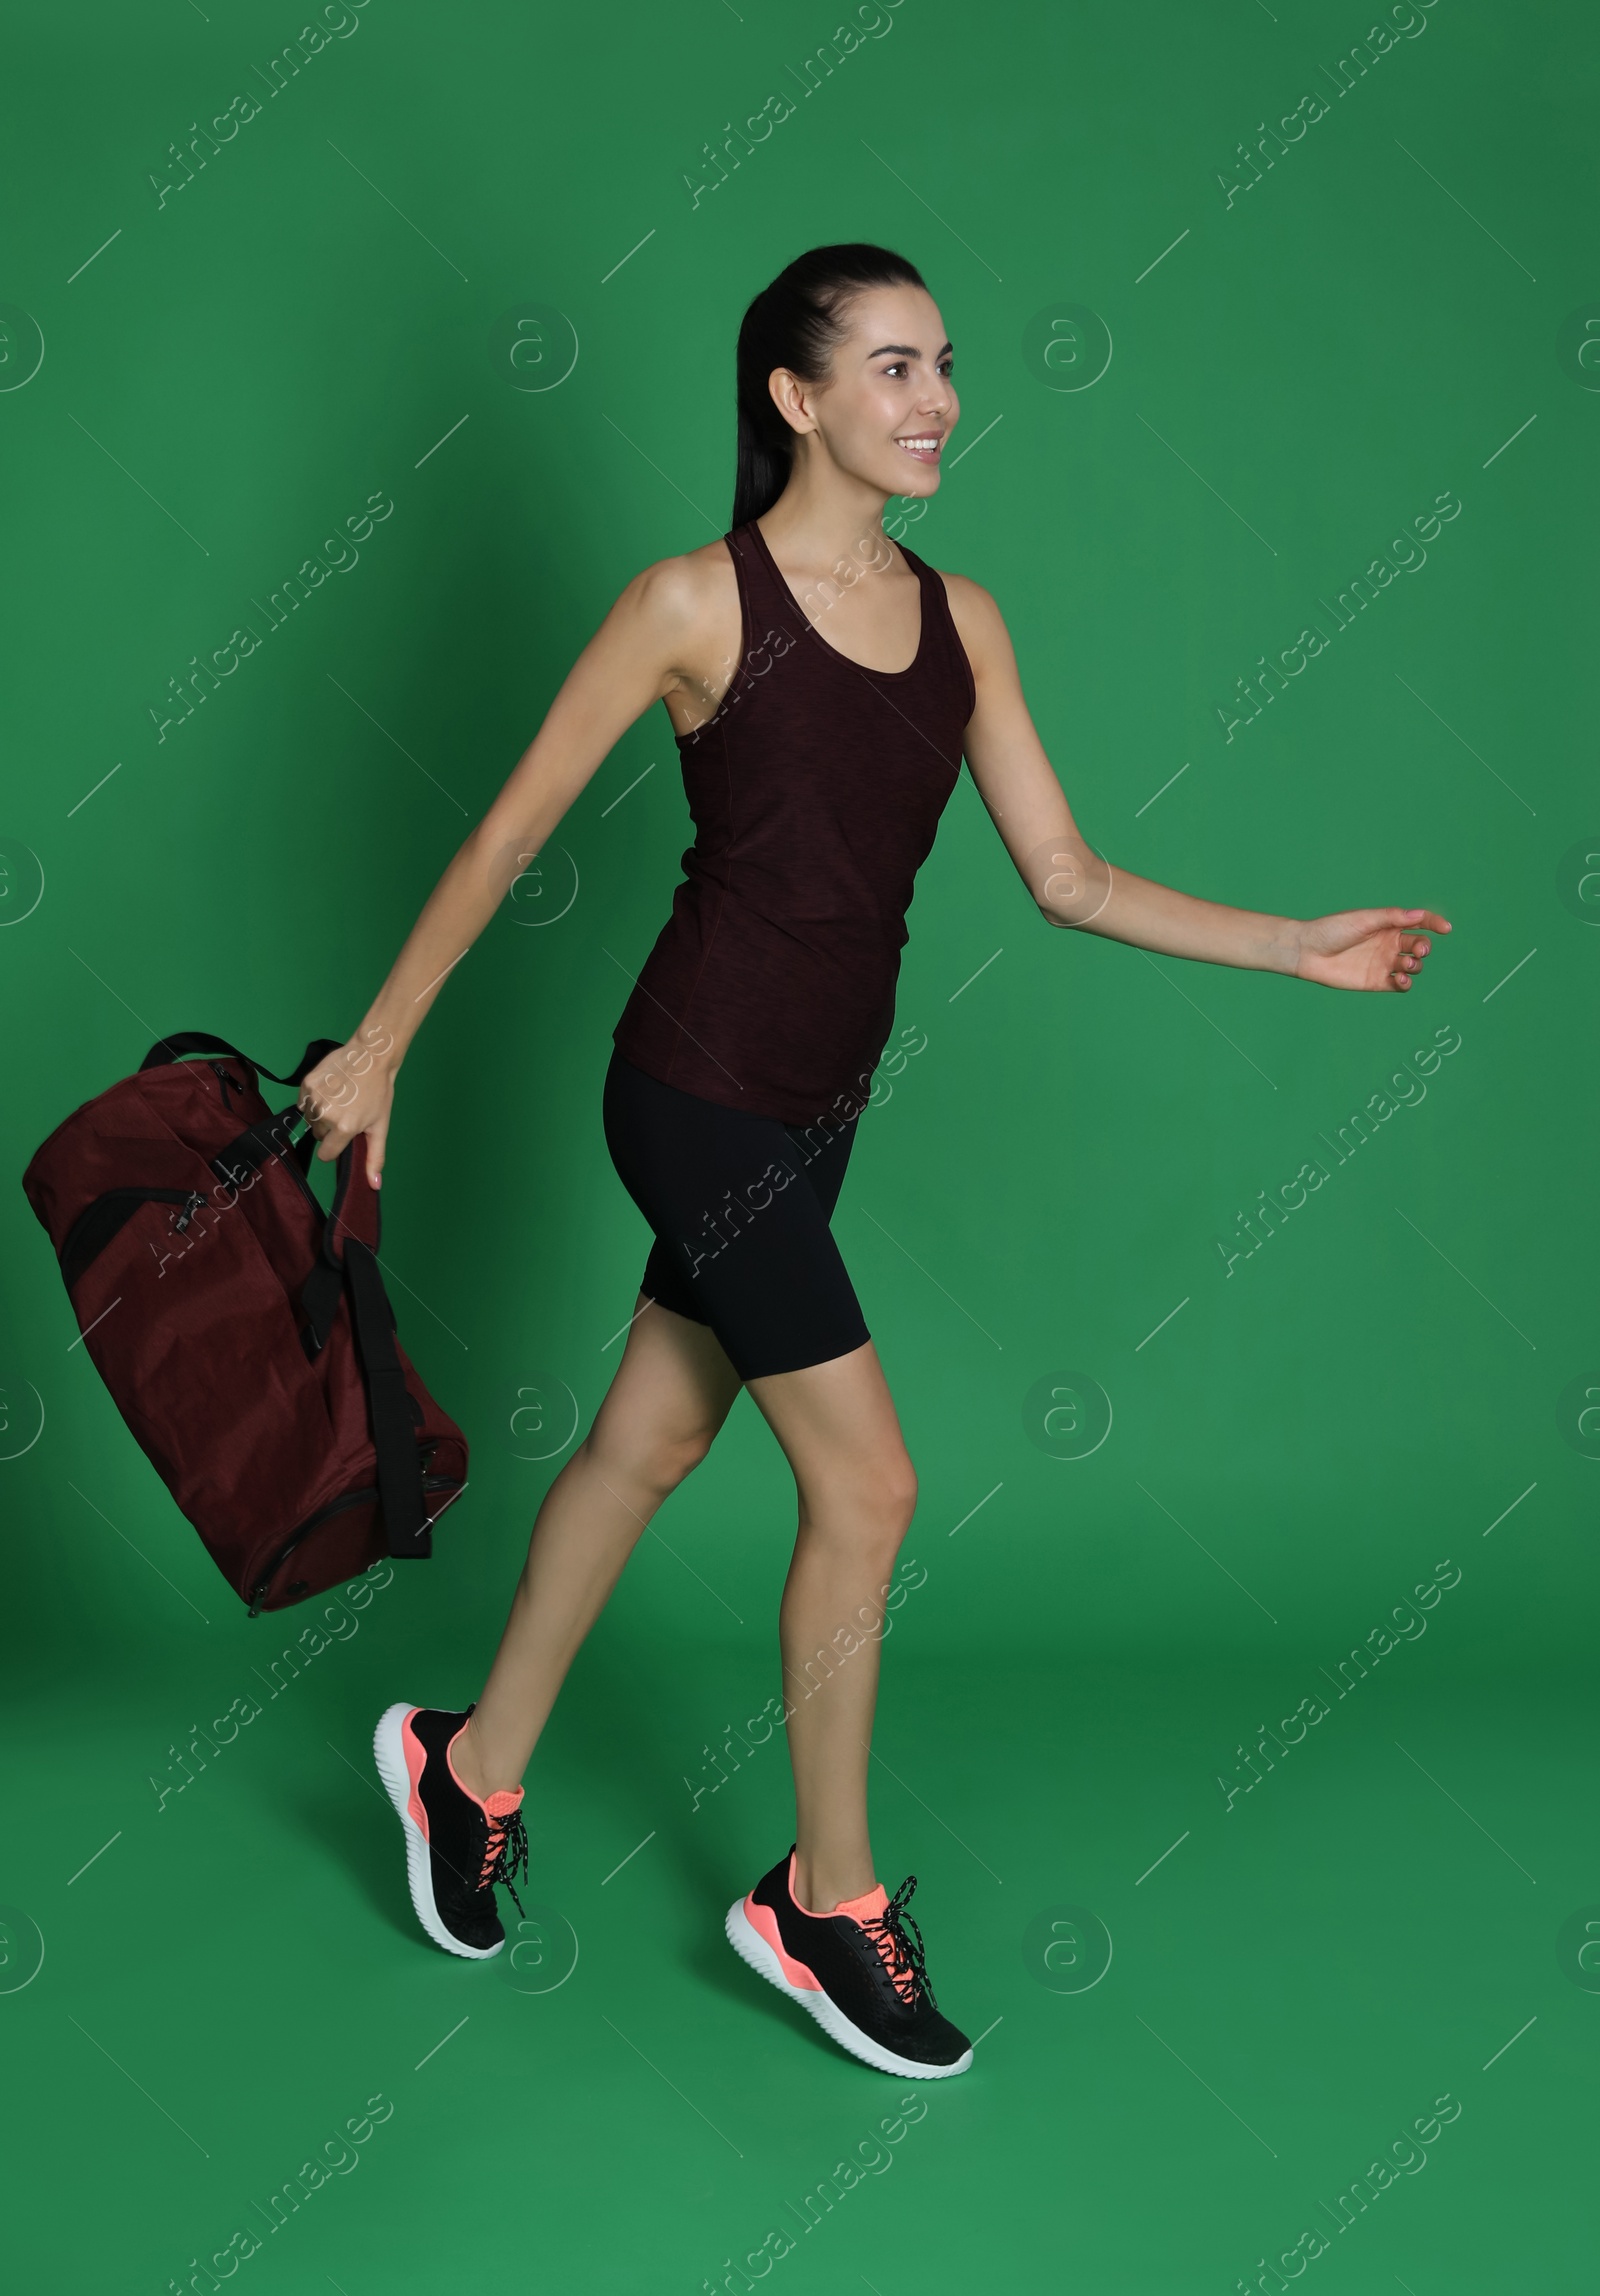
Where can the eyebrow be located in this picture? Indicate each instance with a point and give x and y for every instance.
(907, 350)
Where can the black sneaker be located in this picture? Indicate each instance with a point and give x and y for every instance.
(457, 1847)
(858, 1970)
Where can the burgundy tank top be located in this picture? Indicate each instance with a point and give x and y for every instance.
(815, 790)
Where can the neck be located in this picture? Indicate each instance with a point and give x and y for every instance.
(823, 516)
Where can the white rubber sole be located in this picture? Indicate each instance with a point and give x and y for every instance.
(749, 1944)
(388, 1751)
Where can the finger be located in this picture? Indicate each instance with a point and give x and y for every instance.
(1412, 918)
(330, 1086)
(377, 1146)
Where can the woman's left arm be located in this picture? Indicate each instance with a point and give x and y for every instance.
(1073, 886)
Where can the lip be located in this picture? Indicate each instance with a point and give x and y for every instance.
(923, 454)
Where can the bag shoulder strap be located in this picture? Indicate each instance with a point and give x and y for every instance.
(406, 1527)
(347, 1267)
(197, 1040)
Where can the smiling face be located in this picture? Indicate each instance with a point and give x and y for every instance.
(886, 411)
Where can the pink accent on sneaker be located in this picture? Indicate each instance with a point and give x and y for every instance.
(869, 1907)
(496, 1807)
(499, 1804)
(858, 1908)
(416, 1756)
(764, 1922)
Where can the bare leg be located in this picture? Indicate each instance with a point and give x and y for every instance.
(840, 1433)
(672, 1391)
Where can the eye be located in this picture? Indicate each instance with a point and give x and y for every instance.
(896, 367)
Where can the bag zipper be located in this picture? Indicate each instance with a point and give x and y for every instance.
(337, 1506)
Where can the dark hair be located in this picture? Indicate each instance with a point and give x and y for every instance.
(796, 323)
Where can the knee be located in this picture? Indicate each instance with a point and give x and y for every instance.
(675, 1457)
(896, 1499)
(655, 1461)
(870, 1510)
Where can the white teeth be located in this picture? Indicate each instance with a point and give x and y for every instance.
(919, 445)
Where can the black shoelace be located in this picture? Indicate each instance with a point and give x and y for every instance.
(907, 1971)
(506, 1854)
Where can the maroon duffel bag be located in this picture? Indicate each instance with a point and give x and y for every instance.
(245, 1337)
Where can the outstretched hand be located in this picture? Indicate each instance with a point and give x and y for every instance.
(1367, 948)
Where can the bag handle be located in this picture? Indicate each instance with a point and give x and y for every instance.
(169, 1048)
(263, 1138)
(354, 1212)
(268, 1136)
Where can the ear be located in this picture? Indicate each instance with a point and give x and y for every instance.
(792, 398)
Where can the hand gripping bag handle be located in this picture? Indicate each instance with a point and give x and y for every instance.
(269, 1136)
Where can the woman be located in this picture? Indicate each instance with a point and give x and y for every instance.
(823, 686)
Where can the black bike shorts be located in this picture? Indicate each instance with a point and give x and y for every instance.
(741, 1206)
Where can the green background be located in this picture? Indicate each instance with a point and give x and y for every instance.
(1377, 1391)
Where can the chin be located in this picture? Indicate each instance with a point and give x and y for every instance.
(913, 480)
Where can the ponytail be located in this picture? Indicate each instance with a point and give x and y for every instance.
(796, 323)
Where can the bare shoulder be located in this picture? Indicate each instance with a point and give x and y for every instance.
(675, 596)
(682, 617)
(978, 620)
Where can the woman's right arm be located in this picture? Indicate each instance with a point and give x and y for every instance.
(633, 659)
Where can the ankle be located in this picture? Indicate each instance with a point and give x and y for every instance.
(470, 1768)
(819, 1886)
